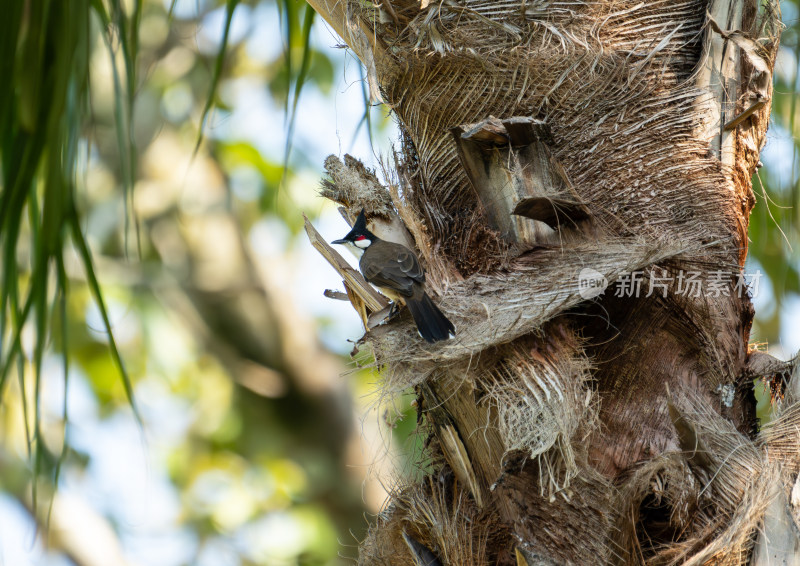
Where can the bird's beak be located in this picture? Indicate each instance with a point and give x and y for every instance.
(339, 241)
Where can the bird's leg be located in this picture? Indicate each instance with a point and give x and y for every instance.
(394, 311)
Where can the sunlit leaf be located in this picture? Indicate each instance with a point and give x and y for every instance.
(217, 72)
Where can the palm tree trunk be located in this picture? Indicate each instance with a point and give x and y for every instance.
(551, 150)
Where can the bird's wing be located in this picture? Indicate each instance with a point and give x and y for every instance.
(409, 264)
(399, 273)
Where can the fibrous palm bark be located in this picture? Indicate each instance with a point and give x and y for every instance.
(569, 428)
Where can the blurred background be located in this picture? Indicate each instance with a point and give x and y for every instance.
(259, 441)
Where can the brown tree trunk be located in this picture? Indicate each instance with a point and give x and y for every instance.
(547, 146)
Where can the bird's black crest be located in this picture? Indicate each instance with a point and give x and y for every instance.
(361, 222)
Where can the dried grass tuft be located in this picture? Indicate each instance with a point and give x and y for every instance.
(729, 460)
(545, 406)
(732, 543)
(353, 185)
(781, 438)
(705, 505)
(736, 485)
(438, 516)
(659, 500)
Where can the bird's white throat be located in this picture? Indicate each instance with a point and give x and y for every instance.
(355, 249)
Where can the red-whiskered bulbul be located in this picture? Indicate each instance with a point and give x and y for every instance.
(394, 269)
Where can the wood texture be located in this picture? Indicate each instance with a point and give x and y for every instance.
(523, 189)
(359, 291)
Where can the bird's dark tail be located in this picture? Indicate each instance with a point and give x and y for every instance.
(431, 322)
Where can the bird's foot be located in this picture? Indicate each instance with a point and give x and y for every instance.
(394, 311)
(383, 316)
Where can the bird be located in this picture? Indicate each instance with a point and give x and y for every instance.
(395, 270)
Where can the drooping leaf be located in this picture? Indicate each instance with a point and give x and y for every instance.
(217, 72)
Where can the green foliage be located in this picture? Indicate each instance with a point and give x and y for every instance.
(106, 96)
(46, 48)
(218, 65)
(774, 229)
(296, 80)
